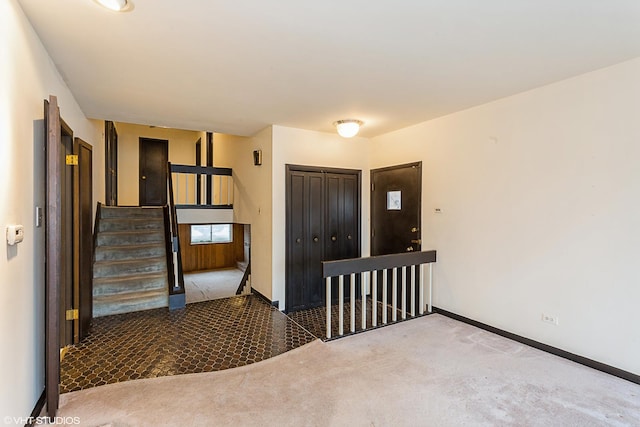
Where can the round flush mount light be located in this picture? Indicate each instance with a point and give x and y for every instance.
(348, 128)
(116, 5)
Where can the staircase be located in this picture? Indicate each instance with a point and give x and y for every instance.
(130, 267)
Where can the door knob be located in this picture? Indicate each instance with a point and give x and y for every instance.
(315, 239)
(144, 177)
(410, 249)
(298, 240)
(417, 241)
(349, 237)
(415, 229)
(334, 238)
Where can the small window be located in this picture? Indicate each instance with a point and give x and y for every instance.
(211, 233)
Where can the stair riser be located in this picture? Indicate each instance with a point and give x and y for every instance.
(106, 239)
(114, 286)
(121, 224)
(116, 270)
(109, 253)
(148, 303)
(145, 213)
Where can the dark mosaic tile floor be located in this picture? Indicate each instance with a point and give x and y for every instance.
(203, 337)
(314, 319)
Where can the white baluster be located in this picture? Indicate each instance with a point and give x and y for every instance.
(394, 294)
(404, 292)
(384, 296)
(341, 305)
(413, 291)
(374, 298)
(328, 286)
(352, 296)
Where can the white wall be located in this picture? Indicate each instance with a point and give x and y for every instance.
(540, 199)
(252, 197)
(309, 148)
(27, 77)
(182, 150)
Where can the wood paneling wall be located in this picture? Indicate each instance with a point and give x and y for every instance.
(210, 256)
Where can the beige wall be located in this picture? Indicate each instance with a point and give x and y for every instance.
(309, 148)
(540, 200)
(27, 77)
(182, 149)
(252, 197)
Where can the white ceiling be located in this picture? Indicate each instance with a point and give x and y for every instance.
(236, 66)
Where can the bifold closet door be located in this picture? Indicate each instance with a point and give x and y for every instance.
(305, 240)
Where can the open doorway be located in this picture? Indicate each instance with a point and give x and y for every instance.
(215, 260)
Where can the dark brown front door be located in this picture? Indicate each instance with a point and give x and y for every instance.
(395, 209)
(154, 154)
(323, 223)
(84, 246)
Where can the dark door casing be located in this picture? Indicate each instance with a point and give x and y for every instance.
(154, 155)
(84, 245)
(323, 223)
(111, 163)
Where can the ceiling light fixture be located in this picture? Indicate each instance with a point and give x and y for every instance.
(348, 128)
(116, 5)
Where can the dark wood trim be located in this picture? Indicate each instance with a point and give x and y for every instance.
(209, 179)
(204, 170)
(380, 262)
(402, 166)
(198, 178)
(257, 293)
(607, 369)
(303, 168)
(53, 251)
(37, 410)
(83, 244)
(111, 168)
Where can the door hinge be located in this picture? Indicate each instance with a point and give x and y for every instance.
(72, 160)
(72, 314)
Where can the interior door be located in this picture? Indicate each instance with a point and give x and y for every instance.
(111, 163)
(395, 216)
(305, 230)
(84, 245)
(69, 270)
(154, 156)
(323, 223)
(53, 251)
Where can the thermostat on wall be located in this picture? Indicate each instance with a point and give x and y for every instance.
(15, 234)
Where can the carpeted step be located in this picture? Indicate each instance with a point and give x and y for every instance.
(129, 267)
(131, 212)
(130, 283)
(129, 224)
(121, 238)
(122, 252)
(105, 305)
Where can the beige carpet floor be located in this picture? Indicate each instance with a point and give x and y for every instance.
(432, 371)
(211, 284)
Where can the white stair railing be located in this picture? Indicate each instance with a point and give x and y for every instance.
(365, 273)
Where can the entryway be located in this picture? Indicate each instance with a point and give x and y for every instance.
(215, 260)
